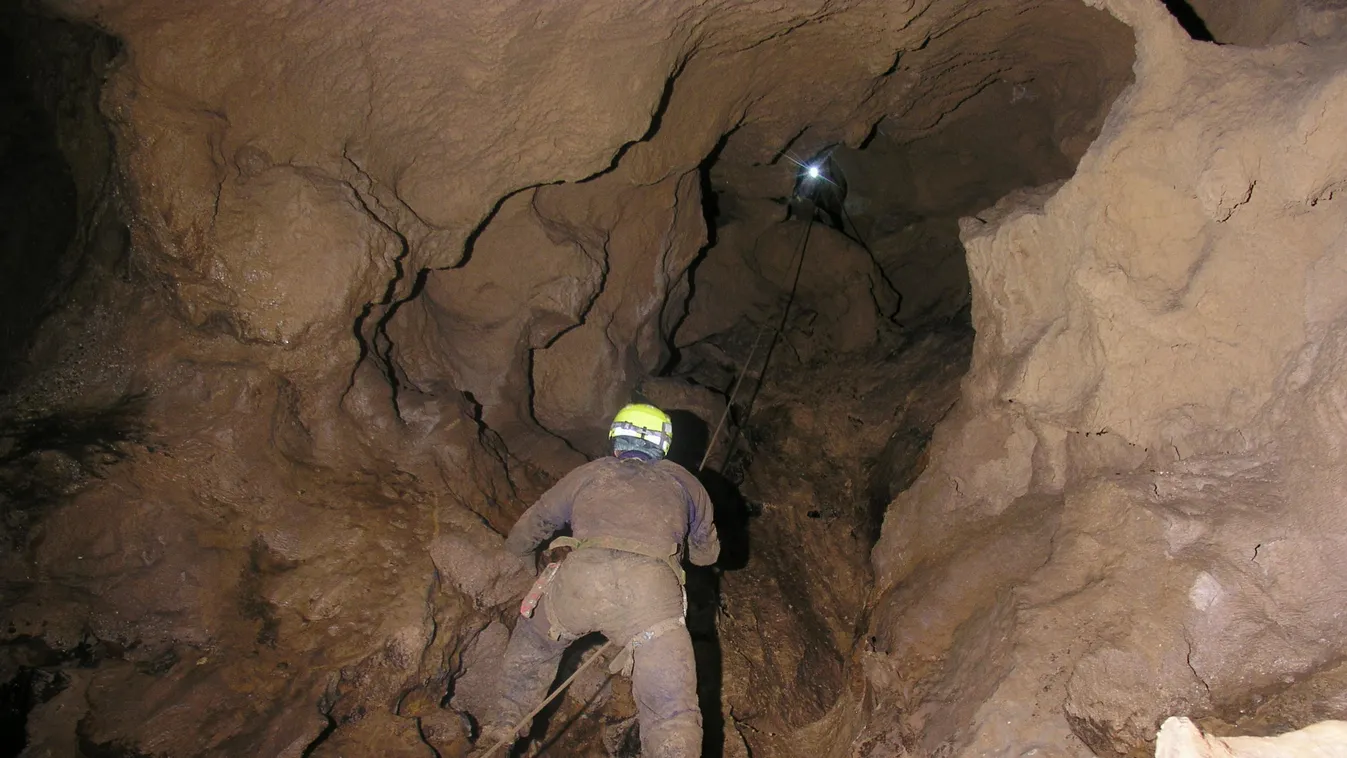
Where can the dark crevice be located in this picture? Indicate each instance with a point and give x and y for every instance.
(656, 118)
(421, 733)
(18, 697)
(495, 447)
(391, 369)
(581, 320)
(870, 135)
(711, 213)
(389, 302)
(89, 436)
(36, 187)
(1189, 20)
(992, 78)
(322, 736)
(477, 411)
(358, 330)
(46, 459)
(823, 14)
(533, 403)
(470, 242)
(379, 343)
(784, 152)
(59, 217)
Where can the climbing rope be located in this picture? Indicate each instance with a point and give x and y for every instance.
(710, 445)
(734, 392)
(771, 347)
(524, 722)
(780, 331)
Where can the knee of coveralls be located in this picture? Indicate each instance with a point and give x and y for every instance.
(664, 683)
(531, 660)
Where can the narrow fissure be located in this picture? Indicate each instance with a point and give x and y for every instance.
(1187, 17)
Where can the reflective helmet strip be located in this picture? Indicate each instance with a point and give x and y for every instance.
(660, 437)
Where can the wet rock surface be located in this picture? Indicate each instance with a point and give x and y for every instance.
(308, 302)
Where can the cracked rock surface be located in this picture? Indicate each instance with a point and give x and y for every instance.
(304, 303)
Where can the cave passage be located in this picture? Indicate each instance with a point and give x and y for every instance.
(302, 307)
(835, 418)
(283, 571)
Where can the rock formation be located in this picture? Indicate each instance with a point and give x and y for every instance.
(1179, 738)
(304, 302)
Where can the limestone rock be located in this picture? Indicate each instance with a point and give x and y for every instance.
(340, 287)
(477, 565)
(1179, 738)
(478, 686)
(446, 732)
(1182, 470)
(378, 733)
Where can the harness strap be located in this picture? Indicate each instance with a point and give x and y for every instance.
(626, 660)
(556, 631)
(669, 556)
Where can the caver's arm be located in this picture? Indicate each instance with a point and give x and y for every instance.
(550, 513)
(703, 542)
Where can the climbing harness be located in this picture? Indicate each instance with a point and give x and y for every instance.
(535, 594)
(626, 660)
(668, 556)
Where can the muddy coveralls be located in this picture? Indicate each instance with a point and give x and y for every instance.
(630, 519)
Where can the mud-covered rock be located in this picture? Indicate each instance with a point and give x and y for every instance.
(475, 563)
(1180, 738)
(477, 687)
(1167, 587)
(356, 282)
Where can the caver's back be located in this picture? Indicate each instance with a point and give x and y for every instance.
(657, 504)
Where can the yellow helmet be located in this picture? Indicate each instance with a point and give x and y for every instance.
(641, 428)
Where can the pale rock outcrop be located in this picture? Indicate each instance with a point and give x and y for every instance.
(1158, 345)
(1180, 738)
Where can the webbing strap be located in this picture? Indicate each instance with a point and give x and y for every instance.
(667, 625)
(620, 544)
(626, 660)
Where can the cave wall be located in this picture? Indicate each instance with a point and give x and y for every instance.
(57, 158)
(1134, 511)
(392, 266)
